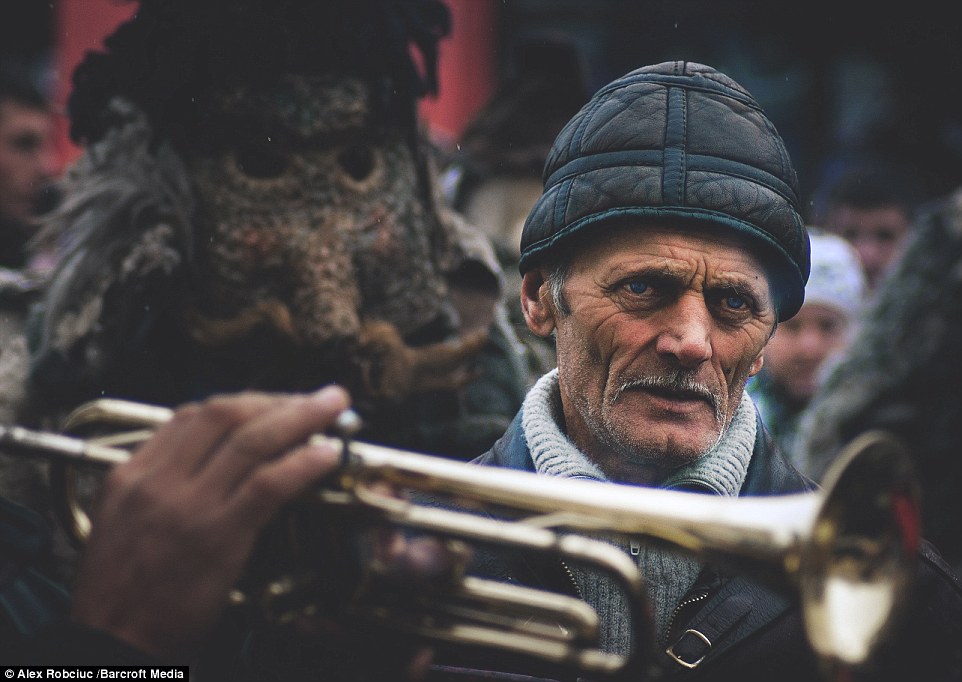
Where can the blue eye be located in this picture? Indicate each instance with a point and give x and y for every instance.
(637, 287)
(735, 302)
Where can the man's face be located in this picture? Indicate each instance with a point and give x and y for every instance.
(877, 234)
(663, 332)
(27, 160)
(797, 352)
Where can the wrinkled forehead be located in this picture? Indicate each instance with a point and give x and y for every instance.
(733, 252)
(303, 106)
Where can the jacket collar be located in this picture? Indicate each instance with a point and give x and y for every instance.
(769, 472)
(734, 607)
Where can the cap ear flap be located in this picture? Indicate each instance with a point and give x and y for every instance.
(537, 303)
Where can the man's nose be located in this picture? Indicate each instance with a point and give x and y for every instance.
(48, 163)
(686, 334)
(870, 253)
(812, 345)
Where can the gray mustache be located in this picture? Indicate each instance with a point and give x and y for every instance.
(674, 382)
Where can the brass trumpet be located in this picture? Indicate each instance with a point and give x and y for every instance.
(847, 551)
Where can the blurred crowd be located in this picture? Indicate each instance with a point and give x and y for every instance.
(29, 169)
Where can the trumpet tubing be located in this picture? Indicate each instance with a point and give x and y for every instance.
(847, 551)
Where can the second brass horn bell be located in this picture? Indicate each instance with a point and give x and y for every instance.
(846, 552)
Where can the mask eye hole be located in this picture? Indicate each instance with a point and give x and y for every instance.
(357, 161)
(261, 163)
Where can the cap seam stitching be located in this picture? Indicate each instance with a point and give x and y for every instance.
(577, 139)
(702, 212)
(757, 181)
(660, 79)
(564, 214)
(683, 158)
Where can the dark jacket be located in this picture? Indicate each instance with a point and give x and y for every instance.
(756, 632)
(35, 628)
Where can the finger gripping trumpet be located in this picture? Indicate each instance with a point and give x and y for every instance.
(846, 552)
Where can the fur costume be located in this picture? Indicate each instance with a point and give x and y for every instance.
(902, 373)
(257, 208)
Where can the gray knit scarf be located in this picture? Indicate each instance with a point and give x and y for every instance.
(669, 576)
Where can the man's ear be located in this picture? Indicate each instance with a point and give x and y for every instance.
(757, 364)
(537, 304)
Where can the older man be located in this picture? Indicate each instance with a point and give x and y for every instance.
(666, 247)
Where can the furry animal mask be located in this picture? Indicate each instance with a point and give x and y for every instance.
(256, 208)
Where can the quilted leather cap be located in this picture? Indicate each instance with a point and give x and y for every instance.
(678, 144)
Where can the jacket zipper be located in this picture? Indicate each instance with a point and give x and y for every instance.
(699, 595)
(571, 577)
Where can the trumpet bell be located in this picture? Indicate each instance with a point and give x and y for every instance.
(864, 542)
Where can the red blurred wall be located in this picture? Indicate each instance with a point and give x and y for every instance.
(468, 68)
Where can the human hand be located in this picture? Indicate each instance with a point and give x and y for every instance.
(175, 525)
